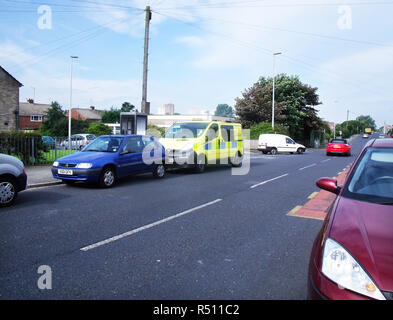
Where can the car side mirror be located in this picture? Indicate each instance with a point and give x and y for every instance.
(329, 184)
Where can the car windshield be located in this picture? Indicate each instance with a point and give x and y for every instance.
(104, 144)
(186, 130)
(339, 141)
(372, 179)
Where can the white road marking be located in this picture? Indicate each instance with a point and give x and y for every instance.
(326, 160)
(311, 165)
(264, 182)
(148, 226)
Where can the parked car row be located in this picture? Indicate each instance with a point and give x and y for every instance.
(190, 144)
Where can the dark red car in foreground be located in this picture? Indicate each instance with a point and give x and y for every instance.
(352, 256)
(338, 146)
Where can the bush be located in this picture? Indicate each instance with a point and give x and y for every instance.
(266, 127)
(99, 129)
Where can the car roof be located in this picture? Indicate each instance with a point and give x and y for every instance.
(382, 143)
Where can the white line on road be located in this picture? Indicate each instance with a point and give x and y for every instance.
(148, 226)
(311, 165)
(259, 184)
(326, 160)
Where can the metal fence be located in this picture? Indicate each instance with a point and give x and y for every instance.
(37, 150)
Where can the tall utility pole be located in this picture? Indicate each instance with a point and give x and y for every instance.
(69, 112)
(274, 80)
(144, 107)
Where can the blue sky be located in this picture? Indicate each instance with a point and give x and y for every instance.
(202, 53)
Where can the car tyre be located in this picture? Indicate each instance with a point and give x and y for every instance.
(273, 151)
(236, 161)
(200, 163)
(300, 151)
(107, 177)
(159, 171)
(8, 191)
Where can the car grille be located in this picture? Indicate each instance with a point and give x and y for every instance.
(67, 165)
(388, 295)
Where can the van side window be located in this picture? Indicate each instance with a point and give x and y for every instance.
(212, 132)
(227, 133)
(290, 141)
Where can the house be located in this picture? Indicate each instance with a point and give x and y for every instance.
(91, 114)
(32, 115)
(9, 101)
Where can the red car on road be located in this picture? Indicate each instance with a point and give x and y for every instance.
(338, 146)
(352, 256)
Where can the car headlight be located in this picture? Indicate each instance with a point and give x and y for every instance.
(56, 164)
(339, 266)
(189, 147)
(84, 165)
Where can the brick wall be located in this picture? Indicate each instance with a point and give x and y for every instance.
(9, 102)
(25, 123)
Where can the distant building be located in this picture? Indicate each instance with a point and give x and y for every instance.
(167, 109)
(32, 115)
(91, 114)
(165, 121)
(9, 101)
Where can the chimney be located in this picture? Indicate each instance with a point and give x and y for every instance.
(92, 107)
(30, 101)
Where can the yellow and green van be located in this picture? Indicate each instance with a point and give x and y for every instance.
(196, 144)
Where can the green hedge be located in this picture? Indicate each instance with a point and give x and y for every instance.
(266, 127)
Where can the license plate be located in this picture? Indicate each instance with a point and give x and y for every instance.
(262, 147)
(66, 172)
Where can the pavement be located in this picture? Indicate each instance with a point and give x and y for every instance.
(40, 176)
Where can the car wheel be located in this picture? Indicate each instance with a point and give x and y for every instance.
(8, 192)
(107, 177)
(200, 163)
(300, 151)
(273, 151)
(236, 161)
(159, 171)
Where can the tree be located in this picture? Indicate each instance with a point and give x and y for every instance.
(111, 116)
(294, 105)
(99, 129)
(367, 122)
(127, 107)
(223, 110)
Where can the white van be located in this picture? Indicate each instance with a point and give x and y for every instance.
(275, 143)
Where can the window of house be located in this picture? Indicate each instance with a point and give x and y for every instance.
(36, 118)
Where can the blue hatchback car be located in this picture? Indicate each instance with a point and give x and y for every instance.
(111, 157)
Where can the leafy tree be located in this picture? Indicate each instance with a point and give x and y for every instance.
(127, 107)
(56, 123)
(111, 116)
(294, 105)
(223, 110)
(99, 129)
(367, 122)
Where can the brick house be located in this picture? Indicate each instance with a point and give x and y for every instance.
(91, 114)
(9, 101)
(32, 115)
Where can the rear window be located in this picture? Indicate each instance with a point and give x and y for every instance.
(340, 141)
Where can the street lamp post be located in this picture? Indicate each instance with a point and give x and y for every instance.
(69, 112)
(274, 80)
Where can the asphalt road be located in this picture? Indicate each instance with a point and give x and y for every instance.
(189, 236)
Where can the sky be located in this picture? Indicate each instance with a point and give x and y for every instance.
(201, 52)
